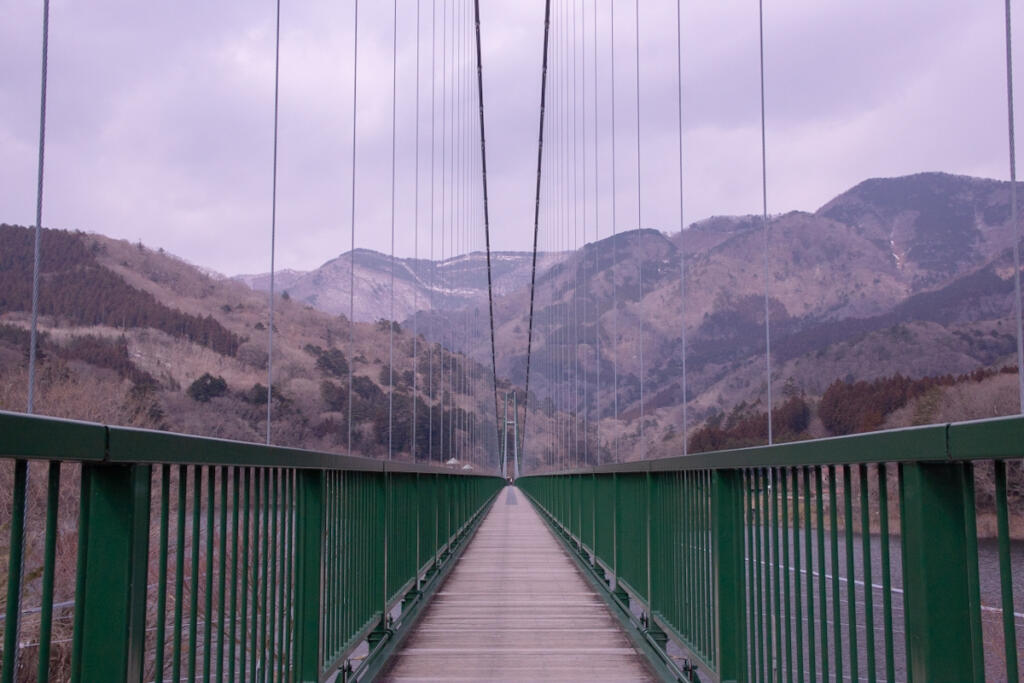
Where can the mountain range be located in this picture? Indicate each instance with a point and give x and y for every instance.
(910, 275)
(907, 275)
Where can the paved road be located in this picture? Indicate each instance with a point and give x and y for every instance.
(515, 608)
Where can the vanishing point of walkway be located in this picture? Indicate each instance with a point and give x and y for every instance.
(515, 608)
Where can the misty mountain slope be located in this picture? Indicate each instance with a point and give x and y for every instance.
(420, 284)
(138, 337)
(930, 253)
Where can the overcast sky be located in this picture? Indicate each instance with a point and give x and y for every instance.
(160, 114)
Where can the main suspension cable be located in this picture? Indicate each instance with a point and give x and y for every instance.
(536, 211)
(486, 212)
(37, 246)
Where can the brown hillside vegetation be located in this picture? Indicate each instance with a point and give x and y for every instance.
(148, 340)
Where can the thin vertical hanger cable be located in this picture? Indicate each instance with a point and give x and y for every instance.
(566, 227)
(574, 406)
(615, 255)
(554, 236)
(1013, 209)
(764, 218)
(17, 574)
(433, 266)
(273, 223)
(682, 253)
(536, 211)
(639, 223)
(352, 220)
(583, 256)
(444, 190)
(565, 377)
(391, 316)
(456, 225)
(38, 231)
(597, 241)
(416, 244)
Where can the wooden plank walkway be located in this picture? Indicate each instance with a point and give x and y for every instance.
(515, 608)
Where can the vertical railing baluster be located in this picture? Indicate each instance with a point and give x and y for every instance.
(12, 618)
(211, 497)
(309, 529)
(797, 597)
(727, 555)
(1005, 574)
(194, 578)
(179, 570)
(222, 570)
(822, 588)
(161, 600)
(883, 523)
(837, 622)
(112, 599)
(865, 535)
(851, 593)
(787, 610)
(938, 598)
(49, 560)
(809, 565)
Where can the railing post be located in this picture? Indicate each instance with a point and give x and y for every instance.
(727, 555)
(113, 571)
(309, 530)
(619, 592)
(380, 632)
(938, 586)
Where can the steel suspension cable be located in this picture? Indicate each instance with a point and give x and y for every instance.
(574, 406)
(273, 222)
(764, 216)
(1013, 209)
(486, 209)
(416, 246)
(391, 317)
(682, 223)
(583, 257)
(597, 240)
(16, 574)
(639, 221)
(536, 210)
(444, 191)
(37, 237)
(615, 255)
(352, 219)
(433, 265)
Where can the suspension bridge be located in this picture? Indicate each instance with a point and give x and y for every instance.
(539, 552)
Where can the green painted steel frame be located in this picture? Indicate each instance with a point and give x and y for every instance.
(698, 543)
(330, 545)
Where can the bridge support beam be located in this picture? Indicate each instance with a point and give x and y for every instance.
(943, 621)
(110, 599)
(728, 572)
(308, 559)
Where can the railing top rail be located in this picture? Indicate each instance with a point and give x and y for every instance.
(992, 438)
(49, 438)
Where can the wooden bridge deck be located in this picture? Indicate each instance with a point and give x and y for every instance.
(515, 608)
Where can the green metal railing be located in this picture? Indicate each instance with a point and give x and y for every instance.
(854, 558)
(149, 556)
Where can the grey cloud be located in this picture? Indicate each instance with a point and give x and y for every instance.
(160, 116)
